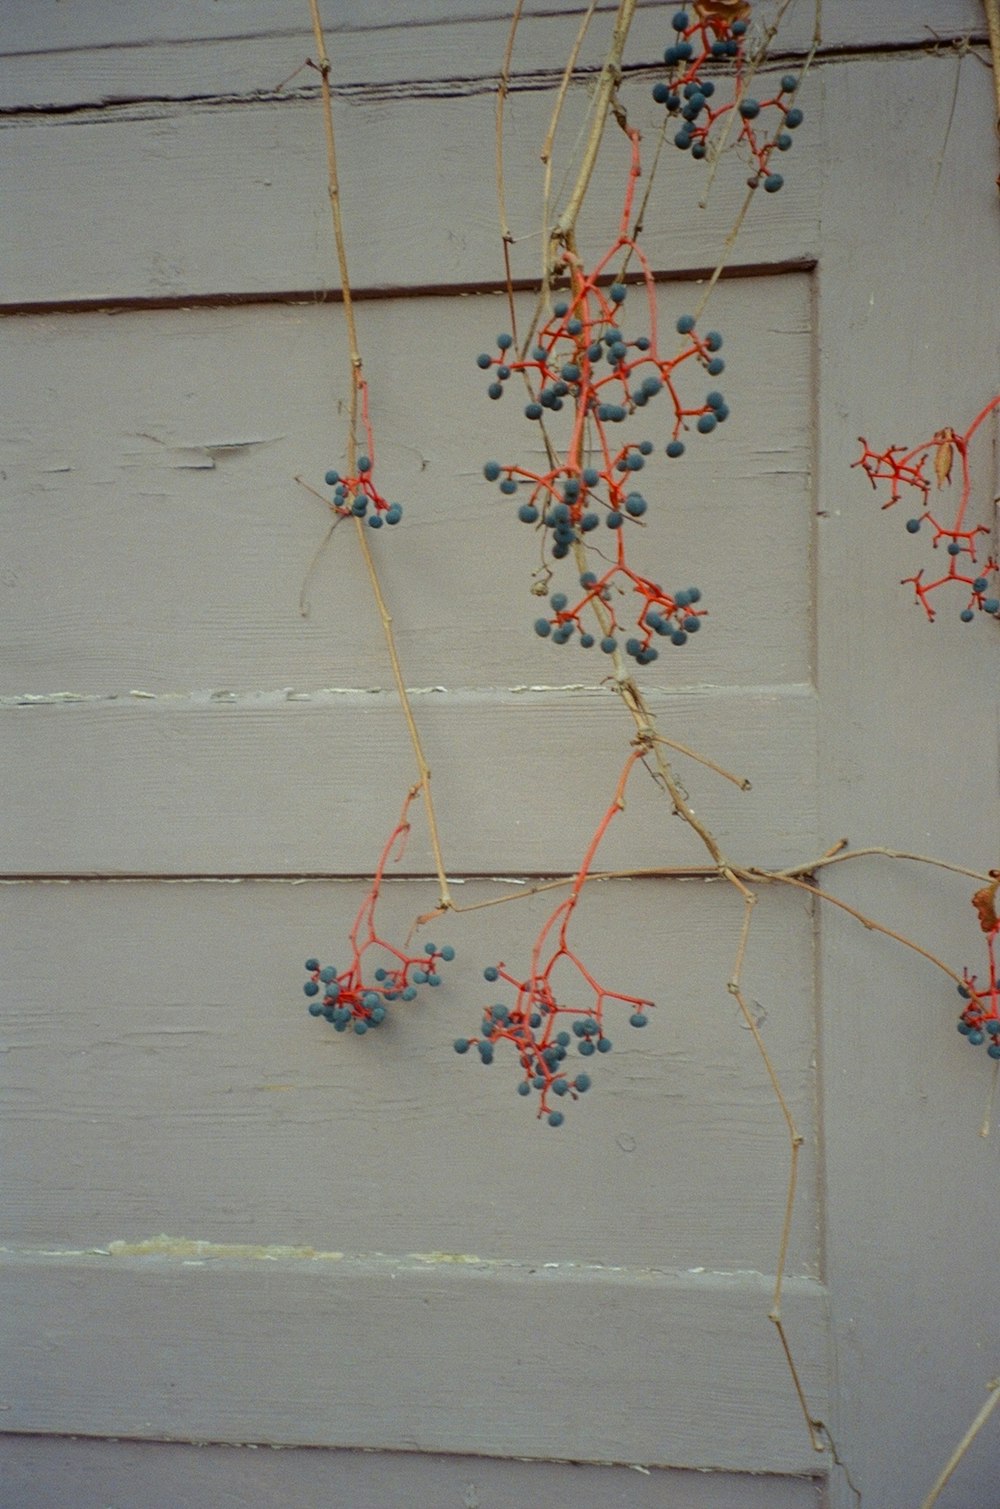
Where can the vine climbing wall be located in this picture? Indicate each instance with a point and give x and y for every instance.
(227, 1219)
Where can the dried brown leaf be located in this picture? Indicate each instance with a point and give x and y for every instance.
(944, 455)
(985, 903)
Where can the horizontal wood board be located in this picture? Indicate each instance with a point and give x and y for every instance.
(419, 1355)
(53, 54)
(162, 1073)
(290, 785)
(234, 202)
(155, 537)
(90, 1474)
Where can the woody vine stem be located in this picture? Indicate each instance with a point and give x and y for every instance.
(357, 401)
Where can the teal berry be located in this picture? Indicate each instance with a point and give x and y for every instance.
(685, 324)
(772, 183)
(675, 448)
(491, 973)
(913, 525)
(556, 1118)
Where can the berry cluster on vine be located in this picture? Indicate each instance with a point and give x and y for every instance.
(542, 1046)
(353, 495)
(906, 472)
(346, 998)
(581, 359)
(690, 95)
(349, 996)
(980, 1017)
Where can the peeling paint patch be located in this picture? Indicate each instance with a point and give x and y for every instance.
(190, 1249)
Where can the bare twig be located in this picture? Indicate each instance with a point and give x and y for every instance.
(357, 386)
(993, 1389)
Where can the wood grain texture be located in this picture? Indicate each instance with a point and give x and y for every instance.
(155, 537)
(162, 1073)
(92, 1474)
(419, 1355)
(285, 784)
(234, 198)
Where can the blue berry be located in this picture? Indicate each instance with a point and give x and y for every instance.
(609, 644)
(527, 513)
(483, 361)
(675, 448)
(556, 1118)
(749, 109)
(542, 627)
(772, 183)
(638, 1019)
(789, 83)
(967, 615)
(913, 525)
(685, 324)
(793, 118)
(707, 423)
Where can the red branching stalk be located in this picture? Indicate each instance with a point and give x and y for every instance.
(535, 1025)
(348, 997)
(906, 472)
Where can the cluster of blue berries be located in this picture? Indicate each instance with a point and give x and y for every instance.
(542, 1051)
(357, 496)
(690, 95)
(672, 617)
(344, 1000)
(980, 1020)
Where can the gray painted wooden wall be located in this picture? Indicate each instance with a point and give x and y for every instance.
(223, 1224)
